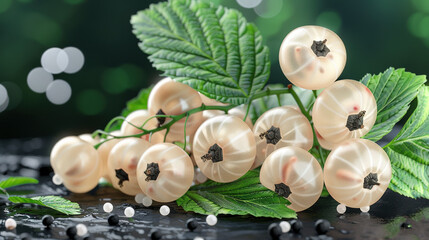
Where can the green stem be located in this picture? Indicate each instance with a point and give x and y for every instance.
(315, 93)
(184, 128)
(300, 105)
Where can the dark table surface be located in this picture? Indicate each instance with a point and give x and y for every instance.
(28, 157)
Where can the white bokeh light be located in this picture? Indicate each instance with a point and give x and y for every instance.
(54, 60)
(4, 105)
(58, 92)
(3, 95)
(249, 3)
(38, 80)
(75, 59)
(269, 8)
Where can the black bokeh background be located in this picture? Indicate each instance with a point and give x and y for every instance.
(377, 34)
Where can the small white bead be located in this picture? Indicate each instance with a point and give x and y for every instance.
(201, 178)
(139, 198)
(147, 201)
(211, 220)
(364, 209)
(285, 226)
(341, 208)
(108, 207)
(81, 229)
(164, 210)
(129, 212)
(57, 180)
(10, 224)
(198, 238)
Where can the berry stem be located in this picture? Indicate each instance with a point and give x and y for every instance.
(184, 136)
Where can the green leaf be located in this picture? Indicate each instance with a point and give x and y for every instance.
(393, 90)
(212, 49)
(16, 181)
(409, 152)
(54, 202)
(241, 197)
(137, 103)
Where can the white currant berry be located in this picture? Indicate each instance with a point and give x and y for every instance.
(173, 98)
(281, 127)
(147, 201)
(10, 224)
(138, 118)
(164, 210)
(346, 109)
(323, 142)
(108, 207)
(224, 148)
(285, 226)
(312, 57)
(365, 209)
(294, 174)
(165, 172)
(88, 138)
(81, 229)
(211, 220)
(122, 164)
(103, 153)
(77, 163)
(357, 173)
(129, 212)
(341, 208)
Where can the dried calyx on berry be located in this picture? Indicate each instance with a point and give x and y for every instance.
(370, 180)
(272, 135)
(319, 48)
(355, 121)
(161, 120)
(152, 171)
(282, 190)
(122, 176)
(215, 154)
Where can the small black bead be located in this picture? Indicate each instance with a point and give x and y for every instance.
(25, 236)
(155, 235)
(275, 231)
(296, 226)
(322, 226)
(191, 224)
(113, 220)
(71, 232)
(47, 220)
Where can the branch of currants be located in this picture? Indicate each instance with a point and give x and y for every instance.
(175, 118)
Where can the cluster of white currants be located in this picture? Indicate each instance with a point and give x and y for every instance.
(224, 147)
(357, 171)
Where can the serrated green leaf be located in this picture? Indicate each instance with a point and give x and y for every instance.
(212, 49)
(245, 196)
(409, 152)
(137, 103)
(393, 90)
(54, 202)
(16, 181)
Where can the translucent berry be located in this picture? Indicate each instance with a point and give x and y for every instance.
(346, 109)
(129, 212)
(10, 224)
(81, 229)
(165, 172)
(281, 127)
(224, 148)
(169, 97)
(341, 208)
(122, 164)
(294, 174)
(357, 173)
(285, 226)
(312, 57)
